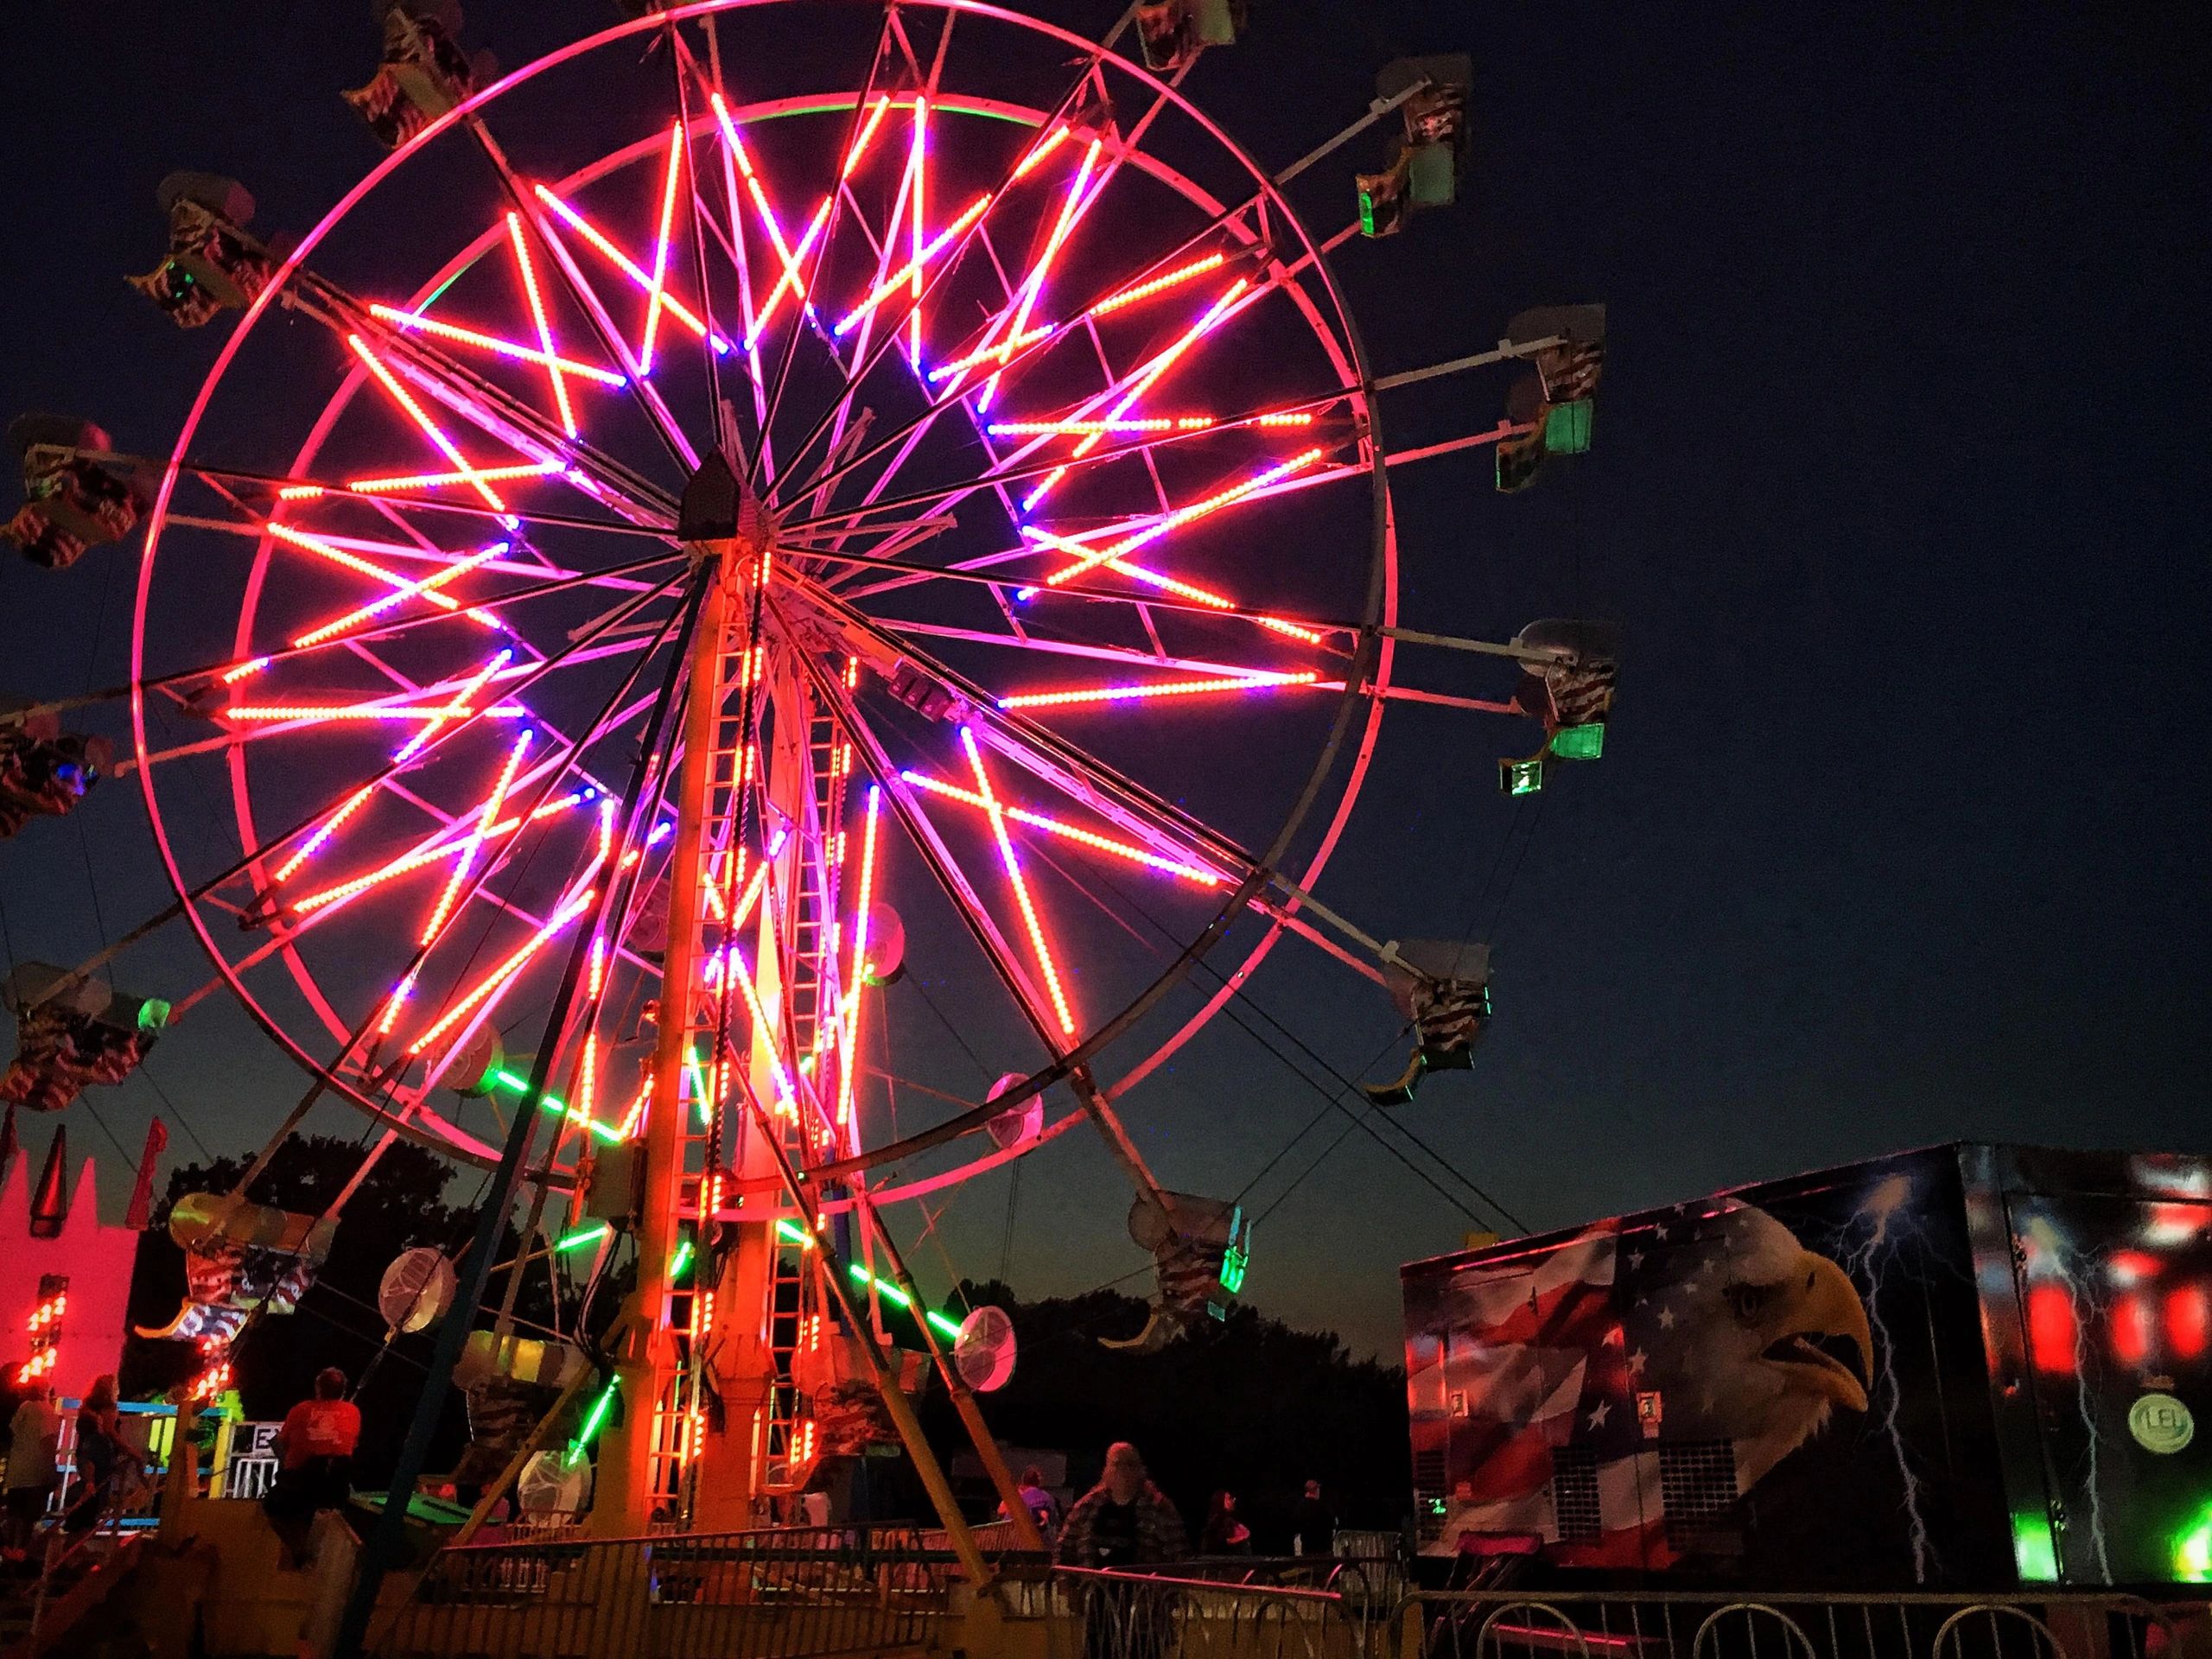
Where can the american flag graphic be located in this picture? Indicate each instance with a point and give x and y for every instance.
(1523, 1375)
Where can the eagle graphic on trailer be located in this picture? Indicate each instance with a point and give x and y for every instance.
(1610, 1397)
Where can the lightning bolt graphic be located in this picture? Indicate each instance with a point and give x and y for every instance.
(1866, 1264)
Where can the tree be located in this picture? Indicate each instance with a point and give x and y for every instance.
(1247, 1405)
(402, 1203)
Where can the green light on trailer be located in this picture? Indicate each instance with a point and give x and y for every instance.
(1520, 777)
(2192, 1549)
(1579, 742)
(580, 1237)
(681, 1261)
(2035, 1554)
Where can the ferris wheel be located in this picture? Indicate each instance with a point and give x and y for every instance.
(763, 495)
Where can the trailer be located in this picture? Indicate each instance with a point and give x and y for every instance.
(1969, 1366)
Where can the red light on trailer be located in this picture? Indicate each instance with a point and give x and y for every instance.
(2051, 1328)
(2188, 1322)
(2131, 1330)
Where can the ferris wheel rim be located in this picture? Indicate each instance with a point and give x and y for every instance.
(434, 1130)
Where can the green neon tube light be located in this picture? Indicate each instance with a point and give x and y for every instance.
(594, 1420)
(682, 1261)
(555, 1103)
(582, 1236)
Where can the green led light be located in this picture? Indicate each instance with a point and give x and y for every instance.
(1579, 742)
(2192, 1548)
(555, 1103)
(582, 1236)
(2034, 1555)
(682, 1260)
(1520, 777)
(1367, 213)
(698, 1086)
(1233, 1265)
(1566, 429)
(946, 1326)
(153, 1013)
(594, 1420)
(792, 1232)
(889, 1291)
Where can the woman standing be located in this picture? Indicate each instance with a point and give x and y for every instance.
(101, 1453)
(1224, 1534)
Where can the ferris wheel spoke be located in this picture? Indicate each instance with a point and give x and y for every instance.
(1077, 774)
(1163, 275)
(950, 257)
(386, 338)
(447, 735)
(723, 440)
(826, 217)
(527, 201)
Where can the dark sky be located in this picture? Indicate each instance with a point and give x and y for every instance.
(1897, 489)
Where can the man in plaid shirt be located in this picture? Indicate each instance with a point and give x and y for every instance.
(1124, 1520)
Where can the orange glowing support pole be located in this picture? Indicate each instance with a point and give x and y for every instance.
(647, 1363)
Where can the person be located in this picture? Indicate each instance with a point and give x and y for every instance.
(1223, 1534)
(315, 1451)
(1036, 1497)
(1124, 1520)
(34, 1465)
(1313, 1524)
(1124, 1524)
(102, 1455)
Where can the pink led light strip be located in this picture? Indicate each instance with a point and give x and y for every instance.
(415, 860)
(545, 357)
(340, 555)
(500, 659)
(654, 292)
(1156, 423)
(405, 591)
(1254, 682)
(629, 267)
(849, 1028)
(1146, 378)
(1037, 944)
(430, 428)
(1067, 831)
(263, 713)
(477, 476)
(498, 978)
(1183, 515)
(1071, 206)
(528, 273)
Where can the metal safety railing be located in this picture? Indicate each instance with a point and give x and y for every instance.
(774, 1593)
(1091, 1615)
(1544, 1625)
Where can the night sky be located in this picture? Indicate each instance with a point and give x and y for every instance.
(1895, 490)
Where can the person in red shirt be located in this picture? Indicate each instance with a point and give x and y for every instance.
(315, 1449)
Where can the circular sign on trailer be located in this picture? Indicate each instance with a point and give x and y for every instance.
(2161, 1423)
